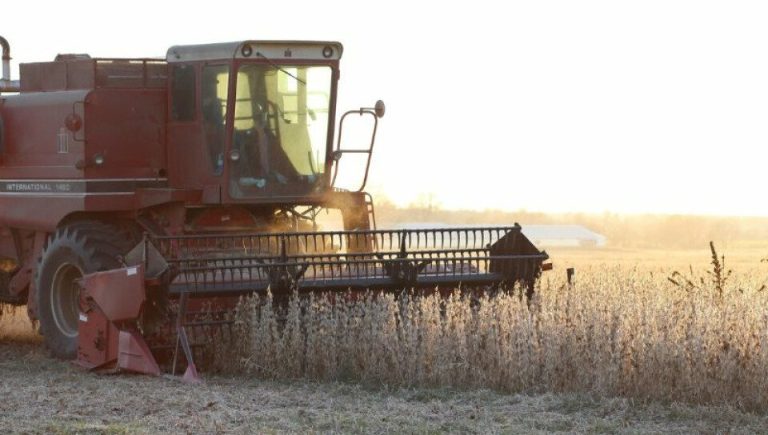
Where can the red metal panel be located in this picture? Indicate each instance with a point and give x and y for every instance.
(97, 340)
(134, 354)
(80, 74)
(119, 293)
(112, 301)
(151, 197)
(44, 211)
(37, 212)
(57, 76)
(39, 76)
(228, 218)
(127, 128)
(34, 131)
(190, 168)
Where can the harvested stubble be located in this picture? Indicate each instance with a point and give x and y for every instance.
(617, 332)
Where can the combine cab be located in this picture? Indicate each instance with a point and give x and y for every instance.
(133, 192)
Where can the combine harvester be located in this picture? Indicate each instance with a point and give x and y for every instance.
(136, 192)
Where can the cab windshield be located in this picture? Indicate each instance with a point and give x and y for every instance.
(281, 124)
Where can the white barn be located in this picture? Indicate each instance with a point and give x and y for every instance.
(563, 236)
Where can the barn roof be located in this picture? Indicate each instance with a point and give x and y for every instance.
(561, 232)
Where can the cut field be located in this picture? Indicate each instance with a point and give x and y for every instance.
(623, 350)
(41, 395)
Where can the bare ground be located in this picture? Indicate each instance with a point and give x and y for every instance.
(42, 395)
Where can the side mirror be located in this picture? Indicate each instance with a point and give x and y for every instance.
(379, 109)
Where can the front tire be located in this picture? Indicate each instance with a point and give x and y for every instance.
(73, 251)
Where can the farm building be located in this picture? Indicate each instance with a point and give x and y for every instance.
(563, 236)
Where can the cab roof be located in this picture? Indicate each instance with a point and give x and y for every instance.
(273, 50)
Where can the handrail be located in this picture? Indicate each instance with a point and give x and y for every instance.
(338, 152)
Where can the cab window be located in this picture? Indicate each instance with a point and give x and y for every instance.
(183, 93)
(214, 87)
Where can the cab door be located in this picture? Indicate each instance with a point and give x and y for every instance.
(197, 129)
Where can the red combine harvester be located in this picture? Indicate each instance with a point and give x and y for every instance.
(133, 192)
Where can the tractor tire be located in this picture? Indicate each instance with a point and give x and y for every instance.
(75, 250)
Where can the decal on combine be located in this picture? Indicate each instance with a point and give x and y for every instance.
(47, 187)
(79, 186)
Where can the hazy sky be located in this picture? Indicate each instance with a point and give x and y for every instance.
(641, 106)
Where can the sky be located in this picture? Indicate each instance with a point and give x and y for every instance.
(555, 106)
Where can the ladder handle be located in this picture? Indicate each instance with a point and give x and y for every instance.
(338, 151)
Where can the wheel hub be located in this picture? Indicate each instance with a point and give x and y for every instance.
(65, 299)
